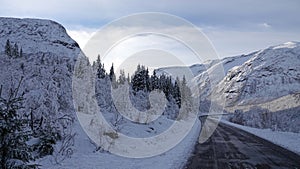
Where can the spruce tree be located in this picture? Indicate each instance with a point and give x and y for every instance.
(147, 79)
(154, 81)
(8, 50)
(14, 131)
(186, 93)
(122, 78)
(128, 78)
(21, 52)
(100, 68)
(112, 76)
(176, 92)
(140, 79)
(15, 51)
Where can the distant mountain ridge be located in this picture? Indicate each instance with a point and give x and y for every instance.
(269, 74)
(260, 76)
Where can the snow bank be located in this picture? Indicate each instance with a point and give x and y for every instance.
(287, 140)
(86, 157)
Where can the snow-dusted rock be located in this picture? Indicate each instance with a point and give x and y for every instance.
(38, 36)
(269, 74)
(45, 71)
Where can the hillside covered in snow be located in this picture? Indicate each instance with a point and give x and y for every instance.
(37, 58)
(269, 74)
(38, 64)
(261, 89)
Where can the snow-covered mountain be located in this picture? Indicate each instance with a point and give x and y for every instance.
(45, 70)
(189, 71)
(198, 74)
(38, 36)
(212, 76)
(257, 77)
(269, 74)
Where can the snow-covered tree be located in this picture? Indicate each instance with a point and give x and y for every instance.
(100, 68)
(112, 76)
(186, 98)
(128, 78)
(154, 81)
(122, 77)
(15, 51)
(8, 49)
(14, 131)
(176, 92)
(21, 52)
(140, 79)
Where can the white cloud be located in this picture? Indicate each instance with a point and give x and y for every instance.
(231, 43)
(82, 36)
(226, 42)
(265, 25)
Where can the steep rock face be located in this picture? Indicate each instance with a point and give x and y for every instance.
(45, 71)
(36, 35)
(214, 73)
(269, 74)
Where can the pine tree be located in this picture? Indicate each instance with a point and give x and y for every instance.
(100, 68)
(176, 92)
(111, 72)
(122, 78)
(186, 99)
(14, 152)
(15, 51)
(128, 78)
(140, 79)
(21, 52)
(183, 88)
(17, 128)
(147, 79)
(94, 65)
(8, 50)
(154, 81)
(112, 77)
(186, 93)
(167, 87)
(162, 82)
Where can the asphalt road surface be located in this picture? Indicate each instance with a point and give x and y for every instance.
(232, 148)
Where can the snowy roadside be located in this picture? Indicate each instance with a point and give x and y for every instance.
(84, 157)
(287, 140)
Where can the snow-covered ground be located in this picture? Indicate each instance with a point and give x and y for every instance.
(86, 157)
(47, 66)
(47, 69)
(287, 140)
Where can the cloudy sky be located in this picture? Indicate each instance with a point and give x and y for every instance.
(232, 26)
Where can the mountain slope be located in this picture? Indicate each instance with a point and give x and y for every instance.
(45, 70)
(36, 35)
(200, 76)
(258, 77)
(210, 77)
(269, 74)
